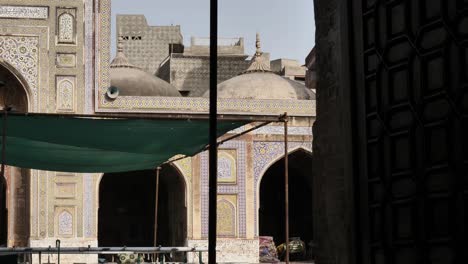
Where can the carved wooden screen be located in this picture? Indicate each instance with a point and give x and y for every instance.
(410, 60)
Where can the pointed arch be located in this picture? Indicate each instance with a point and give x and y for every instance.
(271, 196)
(273, 161)
(17, 81)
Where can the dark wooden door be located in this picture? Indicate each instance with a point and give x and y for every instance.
(410, 65)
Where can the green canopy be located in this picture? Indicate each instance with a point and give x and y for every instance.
(76, 144)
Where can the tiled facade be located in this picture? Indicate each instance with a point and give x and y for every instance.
(61, 51)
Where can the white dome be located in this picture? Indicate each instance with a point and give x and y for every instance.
(262, 85)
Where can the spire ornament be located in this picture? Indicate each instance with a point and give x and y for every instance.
(258, 62)
(120, 60)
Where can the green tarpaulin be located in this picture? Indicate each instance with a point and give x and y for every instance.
(73, 144)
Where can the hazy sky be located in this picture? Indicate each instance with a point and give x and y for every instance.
(286, 27)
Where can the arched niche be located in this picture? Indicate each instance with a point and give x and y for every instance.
(271, 190)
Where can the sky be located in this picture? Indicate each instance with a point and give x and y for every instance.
(286, 27)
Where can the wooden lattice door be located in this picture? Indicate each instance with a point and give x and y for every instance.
(410, 65)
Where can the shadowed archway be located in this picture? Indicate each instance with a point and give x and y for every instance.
(271, 209)
(127, 203)
(14, 189)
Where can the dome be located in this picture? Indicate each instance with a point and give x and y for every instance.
(259, 85)
(132, 81)
(259, 82)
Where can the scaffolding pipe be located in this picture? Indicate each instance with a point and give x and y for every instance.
(155, 241)
(286, 186)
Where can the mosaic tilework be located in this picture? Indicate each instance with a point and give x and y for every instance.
(238, 188)
(266, 154)
(201, 105)
(276, 130)
(227, 172)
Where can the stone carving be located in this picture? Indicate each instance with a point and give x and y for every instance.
(21, 52)
(65, 223)
(226, 218)
(66, 26)
(66, 60)
(30, 12)
(65, 93)
(65, 190)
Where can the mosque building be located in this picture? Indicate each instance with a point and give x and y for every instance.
(55, 57)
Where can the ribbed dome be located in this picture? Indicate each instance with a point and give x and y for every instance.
(132, 81)
(259, 82)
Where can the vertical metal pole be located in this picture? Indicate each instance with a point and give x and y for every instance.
(286, 186)
(57, 244)
(158, 170)
(4, 130)
(213, 149)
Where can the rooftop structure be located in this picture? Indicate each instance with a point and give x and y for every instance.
(226, 46)
(147, 46)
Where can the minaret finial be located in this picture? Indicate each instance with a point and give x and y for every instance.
(120, 60)
(258, 63)
(120, 47)
(257, 45)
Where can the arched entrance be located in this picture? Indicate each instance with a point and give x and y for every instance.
(271, 206)
(14, 190)
(127, 204)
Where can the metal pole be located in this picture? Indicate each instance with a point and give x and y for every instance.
(286, 186)
(57, 243)
(158, 170)
(4, 130)
(213, 149)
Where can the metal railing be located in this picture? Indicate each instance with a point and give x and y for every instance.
(153, 254)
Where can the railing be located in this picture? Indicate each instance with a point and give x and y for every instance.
(198, 41)
(143, 254)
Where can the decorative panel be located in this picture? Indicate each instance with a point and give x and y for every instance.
(228, 189)
(29, 12)
(227, 215)
(411, 118)
(65, 221)
(227, 172)
(66, 25)
(65, 93)
(65, 190)
(22, 52)
(66, 60)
